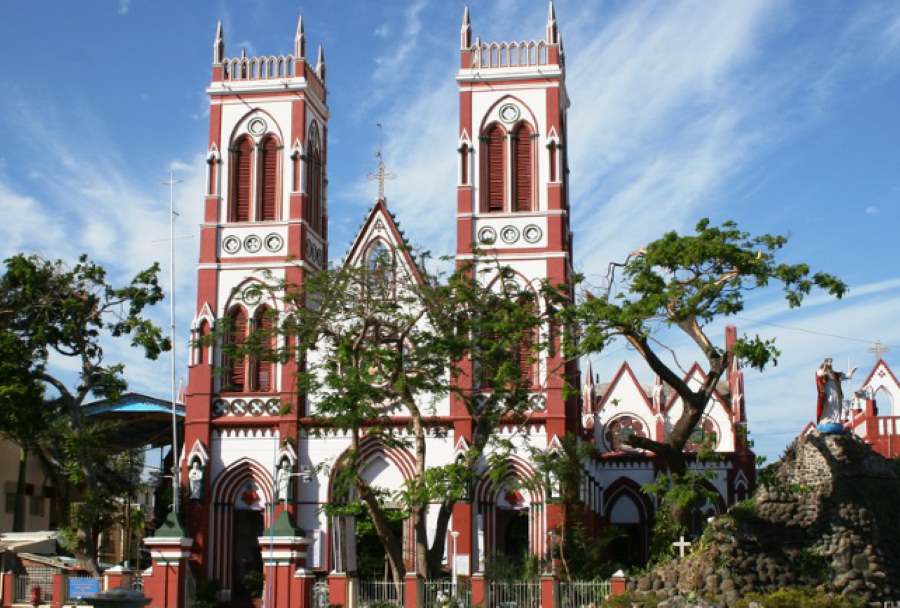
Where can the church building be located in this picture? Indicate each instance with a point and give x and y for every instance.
(266, 213)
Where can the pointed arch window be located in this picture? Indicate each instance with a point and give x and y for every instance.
(493, 182)
(314, 181)
(202, 346)
(236, 365)
(526, 357)
(241, 175)
(268, 170)
(523, 168)
(379, 262)
(261, 378)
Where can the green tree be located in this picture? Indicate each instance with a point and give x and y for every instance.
(687, 282)
(48, 309)
(380, 341)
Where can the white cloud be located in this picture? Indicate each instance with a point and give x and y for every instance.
(124, 7)
(871, 210)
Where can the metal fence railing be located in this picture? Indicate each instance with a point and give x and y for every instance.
(580, 594)
(379, 592)
(443, 593)
(34, 577)
(515, 594)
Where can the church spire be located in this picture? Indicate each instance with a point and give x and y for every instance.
(299, 40)
(219, 45)
(465, 32)
(320, 63)
(552, 29)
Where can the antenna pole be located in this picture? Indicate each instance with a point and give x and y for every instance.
(176, 472)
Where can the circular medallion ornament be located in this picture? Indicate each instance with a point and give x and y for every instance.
(509, 234)
(252, 295)
(252, 243)
(238, 407)
(705, 433)
(532, 233)
(256, 407)
(537, 403)
(220, 407)
(487, 236)
(620, 430)
(257, 126)
(231, 244)
(274, 242)
(509, 113)
(273, 406)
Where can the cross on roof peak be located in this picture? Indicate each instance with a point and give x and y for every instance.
(879, 349)
(381, 173)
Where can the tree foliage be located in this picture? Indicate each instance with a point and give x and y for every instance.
(382, 342)
(688, 282)
(48, 312)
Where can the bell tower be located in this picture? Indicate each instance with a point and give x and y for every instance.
(513, 206)
(265, 219)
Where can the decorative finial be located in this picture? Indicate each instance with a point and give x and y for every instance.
(465, 32)
(219, 45)
(879, 349)
(380, 173)
(552, 31)
(320, 63)
(299, 40)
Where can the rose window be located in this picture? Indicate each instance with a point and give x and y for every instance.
(705, 432)
(620, 430)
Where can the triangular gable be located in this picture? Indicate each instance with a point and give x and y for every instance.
(697, 376)
(880, 375)
(380, 223)
(622, 390)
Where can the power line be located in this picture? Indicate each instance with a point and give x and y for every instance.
(817, 333)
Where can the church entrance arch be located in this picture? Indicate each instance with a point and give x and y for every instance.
(355, 546)
(241, 495)
(510, 521)
(629, 511)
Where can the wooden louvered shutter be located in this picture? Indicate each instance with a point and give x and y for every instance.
(526, 360)
(523, 169)
(240, 180)
(269, 176)
(496, 169)
(262, 372)
(238, 335)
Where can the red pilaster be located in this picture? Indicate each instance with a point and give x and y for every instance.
(479, 590)
(58, 597)
(618, 583)
(9, 589)
(412, 591)
(549, 591)
(165, 584)
(338, 592)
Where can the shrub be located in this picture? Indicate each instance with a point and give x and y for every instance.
(800, 597)
(630, 600)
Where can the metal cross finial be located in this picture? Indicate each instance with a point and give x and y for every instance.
(380, 173)
(879, 349)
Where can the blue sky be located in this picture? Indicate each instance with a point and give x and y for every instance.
(780, 115)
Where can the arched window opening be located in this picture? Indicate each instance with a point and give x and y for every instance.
(884, 403)
(379, 262)
(554, 152)
(493, 183)
(241, 173)
(202, 346)
(526, 354)
(523, 168)
(314, 181)
(261, 367)
(464, 165)
(268, 188)
(237, 373)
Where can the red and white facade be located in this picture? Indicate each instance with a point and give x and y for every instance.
(874, 412)
(266, 210)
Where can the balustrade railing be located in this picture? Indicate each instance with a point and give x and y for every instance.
(259, 68)
(509, 54)
(446, 594)
(888, 425)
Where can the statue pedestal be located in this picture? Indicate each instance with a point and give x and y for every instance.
(831, 428)
(170, 549)
(283, 548)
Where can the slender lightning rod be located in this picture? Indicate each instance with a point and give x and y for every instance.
(176, 481)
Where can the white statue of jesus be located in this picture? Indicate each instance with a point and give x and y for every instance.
(830, 404)
(283, 481)
(195, 480)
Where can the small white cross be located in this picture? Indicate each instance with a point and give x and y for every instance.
(878, 350)
(682, 545)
